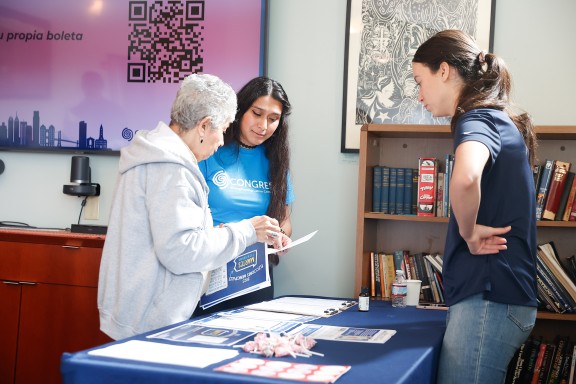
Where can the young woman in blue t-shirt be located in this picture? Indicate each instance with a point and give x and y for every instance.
(490, 254)
(250, 173)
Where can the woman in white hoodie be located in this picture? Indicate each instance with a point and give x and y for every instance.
(161, 242)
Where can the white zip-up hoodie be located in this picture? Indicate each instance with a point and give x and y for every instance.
(160, 240)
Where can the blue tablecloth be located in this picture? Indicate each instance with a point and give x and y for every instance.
(410, 356)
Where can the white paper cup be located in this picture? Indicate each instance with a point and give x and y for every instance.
(413, 296)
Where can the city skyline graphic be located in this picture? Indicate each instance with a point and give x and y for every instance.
(17, 133)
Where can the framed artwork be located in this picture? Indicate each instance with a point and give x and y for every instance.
(82, 76)
(381, 39)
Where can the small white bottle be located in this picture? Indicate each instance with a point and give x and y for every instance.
(399, 290)
(364, 300)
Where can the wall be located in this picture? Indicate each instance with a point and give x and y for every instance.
(306, 56)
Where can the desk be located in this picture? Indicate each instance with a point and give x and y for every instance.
(410, 356)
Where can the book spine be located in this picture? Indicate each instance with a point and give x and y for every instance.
(440, 195)
(557, 182)
(372, 276)
(553, 284)
(432, 279)
(427, 169)
(573, 212)
(551, 260)
(531, 355)
(399, 261)
(385, 192)
(557, 360)
(383, 277)
(415, 178)
(537, 173)
(400, 186)
(407, 266)
(564, 196)
(546, 363)
(570, 200)
(423, 275)
(543, 188)
(376, 188)
(515, 370)
(377, 277)
(572, 377)
(390, 272)
(408, 191)
(538, 363)
(393, 190)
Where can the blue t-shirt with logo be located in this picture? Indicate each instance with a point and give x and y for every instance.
(239, 183)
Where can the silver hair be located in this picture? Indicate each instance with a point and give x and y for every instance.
(200, 96)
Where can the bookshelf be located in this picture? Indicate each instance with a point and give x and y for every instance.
(401, 146)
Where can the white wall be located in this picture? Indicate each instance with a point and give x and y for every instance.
(306, 55)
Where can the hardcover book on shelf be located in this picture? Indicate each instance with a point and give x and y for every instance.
(570, 200)
(440, 195)
(408, 191)
(390, 273)
(427, 170)
(556, 366)
(538, 364)
(399, 261)
(408, 273)
(537, 173)
(551, 285)
(543, 188)
(571, 267)
(551, 260)
(376, 188)
(377, 277)
(447, 176)
(392, 191)
(372, 276)
(556, 186)
(573, 212)
(546, 363)
(516, 364)
(414, 209)
(400, 185)
(383, 279)
(385, 192)
(564, 197)
(422, 275)
(532, 348)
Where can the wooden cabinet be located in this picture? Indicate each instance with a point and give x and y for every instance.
(401, 146)
(48, 289)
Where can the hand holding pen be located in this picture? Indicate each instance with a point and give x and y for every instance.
(268, 231)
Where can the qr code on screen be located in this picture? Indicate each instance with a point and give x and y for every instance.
(165, 41)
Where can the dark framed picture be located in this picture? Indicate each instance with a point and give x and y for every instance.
(381, 38)
(83, 76)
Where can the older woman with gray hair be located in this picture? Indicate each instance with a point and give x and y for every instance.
(161, 243)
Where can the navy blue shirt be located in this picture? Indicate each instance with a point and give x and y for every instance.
(508, 198)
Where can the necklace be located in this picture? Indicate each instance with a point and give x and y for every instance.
(242, 145)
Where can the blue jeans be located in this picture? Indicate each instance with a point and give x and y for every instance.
(480, 340)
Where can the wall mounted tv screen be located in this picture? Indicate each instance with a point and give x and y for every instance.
(82, 76)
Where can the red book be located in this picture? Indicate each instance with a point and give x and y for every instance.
(557, 182)
(428, 171)
(570, 200)
(573, 211)
(538, 364)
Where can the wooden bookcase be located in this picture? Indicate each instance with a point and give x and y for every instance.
(401, 146)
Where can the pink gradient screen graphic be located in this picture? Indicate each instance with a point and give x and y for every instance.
(85, 75)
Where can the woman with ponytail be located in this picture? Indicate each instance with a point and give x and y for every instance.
(489, 268)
